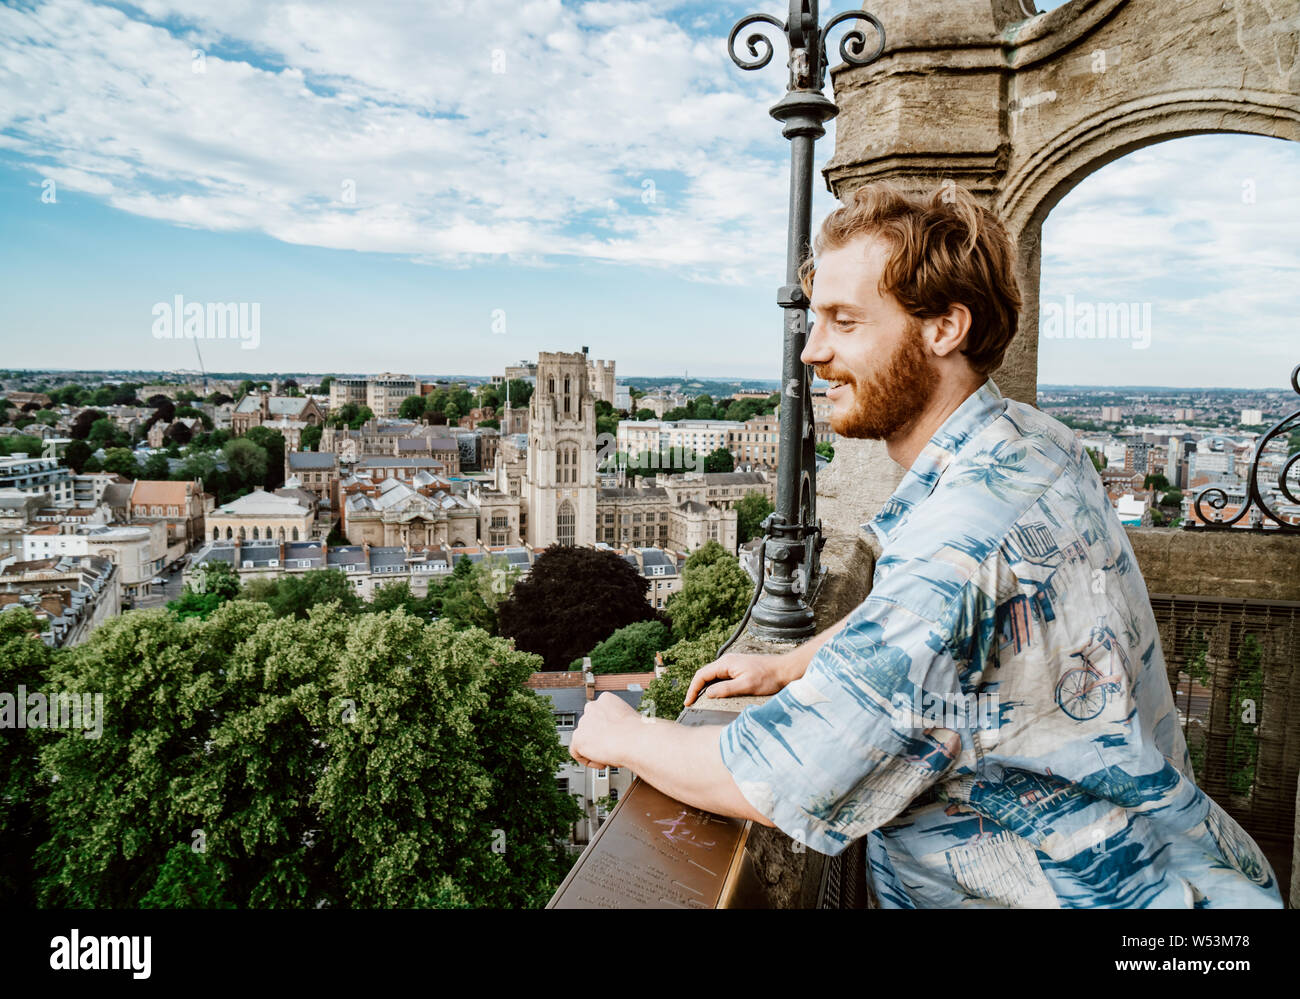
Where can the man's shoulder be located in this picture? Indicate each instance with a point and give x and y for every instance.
(993, 480)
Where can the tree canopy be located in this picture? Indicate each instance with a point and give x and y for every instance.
(751, 511)
(572, 599)
(631, 649)
(715, 591)
(251, 761)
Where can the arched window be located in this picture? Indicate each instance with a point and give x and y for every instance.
(566, 393)
(550, 386)
(295, 534)
(564, 524)
(229, 534)
(216, 534)
(279, 535)
(242, 536)
(255, 534)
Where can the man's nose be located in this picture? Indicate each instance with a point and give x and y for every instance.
(816, 350)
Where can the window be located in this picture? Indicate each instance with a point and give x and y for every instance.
(564, 524)
(614, 770)
(602, 773)
(562, 784)
(565, 719)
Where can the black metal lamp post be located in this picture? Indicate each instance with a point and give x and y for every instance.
(793, 534)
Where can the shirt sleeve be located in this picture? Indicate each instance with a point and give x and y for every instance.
(883, 712)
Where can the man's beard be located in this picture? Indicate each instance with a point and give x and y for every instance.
(895, 395)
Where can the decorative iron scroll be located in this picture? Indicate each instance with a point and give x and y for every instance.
(1255, 502)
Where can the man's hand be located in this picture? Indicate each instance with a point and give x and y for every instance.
(603, 735)
(744, 673)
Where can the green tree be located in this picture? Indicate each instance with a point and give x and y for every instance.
(21, 444)
(364, 415)
(122, 461)
(665, 696)
(412, 408)
(105, 433)
(519, 393)
(295, 595)
(247, 462)
(715, 592)
(250, 761)
(343, 416)
(309, 439)
(123, 801)
(471, 595)
(272, 442)
(1156, 481)
(606, 418)
(631, 649)
(156, 468)
(24, 659)
(164, 409)
(826, 450)
(572, 599)
(719, 460)
(751, 511)
(442, 727)
(452, 413)
(76, 455)
(211, 585)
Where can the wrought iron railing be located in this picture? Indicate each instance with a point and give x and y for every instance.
(1263, 517)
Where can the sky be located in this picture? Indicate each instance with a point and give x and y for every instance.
(450, 187)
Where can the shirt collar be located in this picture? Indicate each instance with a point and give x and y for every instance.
(977, 411)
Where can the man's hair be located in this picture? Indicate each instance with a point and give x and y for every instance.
(947, 249)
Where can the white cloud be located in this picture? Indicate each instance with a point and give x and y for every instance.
(483, 128)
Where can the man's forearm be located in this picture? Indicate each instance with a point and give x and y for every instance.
(685, 762)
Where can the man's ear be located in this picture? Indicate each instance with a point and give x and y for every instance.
(947, 333)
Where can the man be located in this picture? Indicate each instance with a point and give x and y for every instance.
(995, 717)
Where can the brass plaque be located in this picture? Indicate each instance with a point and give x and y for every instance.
(656, 853)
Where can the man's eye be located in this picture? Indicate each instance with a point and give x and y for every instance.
(842, 324)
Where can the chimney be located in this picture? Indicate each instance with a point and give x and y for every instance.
(589, 678)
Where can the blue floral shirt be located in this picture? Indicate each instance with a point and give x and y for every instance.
(996, 717)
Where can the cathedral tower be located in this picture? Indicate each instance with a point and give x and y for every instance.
(559, 490)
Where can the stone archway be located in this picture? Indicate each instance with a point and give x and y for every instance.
(1020, 110)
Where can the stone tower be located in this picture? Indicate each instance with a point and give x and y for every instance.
(559, 488)
(600, 376)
